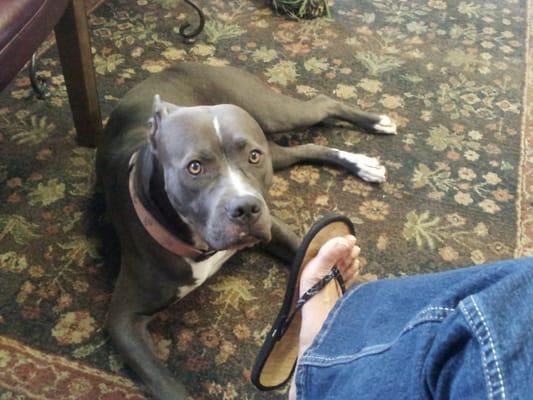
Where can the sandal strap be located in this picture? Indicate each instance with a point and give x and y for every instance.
(334, 273)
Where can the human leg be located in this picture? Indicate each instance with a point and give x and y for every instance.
(432, 335)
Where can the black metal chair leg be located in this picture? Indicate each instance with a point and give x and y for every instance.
(189, 36)
(36, 83)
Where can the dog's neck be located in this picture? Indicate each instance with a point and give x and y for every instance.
(150, 188)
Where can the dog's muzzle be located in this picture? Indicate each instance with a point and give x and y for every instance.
(244, 210)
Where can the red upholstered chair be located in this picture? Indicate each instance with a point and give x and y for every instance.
(25, 24)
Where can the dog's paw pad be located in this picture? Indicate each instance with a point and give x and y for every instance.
(385, 125)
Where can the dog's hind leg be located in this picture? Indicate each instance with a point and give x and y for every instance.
(276, 112)
(279, 113)
(132, 308)
(367, 168)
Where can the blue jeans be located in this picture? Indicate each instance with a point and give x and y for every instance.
(461, 334)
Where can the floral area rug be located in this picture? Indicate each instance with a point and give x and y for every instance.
(451, 73)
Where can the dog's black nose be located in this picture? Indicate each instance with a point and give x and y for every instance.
(244, 209)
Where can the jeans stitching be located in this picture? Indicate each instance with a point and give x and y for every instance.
(478, 331)
(343, 359)
(492, 347)
(439, 308)
(430, 313)
(470, 320)
(300, 383)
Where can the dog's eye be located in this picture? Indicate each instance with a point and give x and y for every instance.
(194, 167)
(255, 157)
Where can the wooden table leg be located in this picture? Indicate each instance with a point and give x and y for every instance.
(74, 44)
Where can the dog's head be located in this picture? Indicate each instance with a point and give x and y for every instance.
(217, 169)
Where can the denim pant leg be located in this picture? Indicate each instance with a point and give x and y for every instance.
(461, 334)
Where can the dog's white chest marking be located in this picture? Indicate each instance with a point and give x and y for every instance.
(204, 269)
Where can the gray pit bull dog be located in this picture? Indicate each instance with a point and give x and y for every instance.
(185, 166)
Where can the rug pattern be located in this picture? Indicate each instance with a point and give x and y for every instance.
(524, 206)
(44, 376)
(451, 73)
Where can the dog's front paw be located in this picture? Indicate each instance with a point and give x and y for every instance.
(385, 125)
(367, 168)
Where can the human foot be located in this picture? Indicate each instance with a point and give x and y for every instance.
(339, 251)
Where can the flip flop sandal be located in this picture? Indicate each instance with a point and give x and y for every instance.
(276, 361)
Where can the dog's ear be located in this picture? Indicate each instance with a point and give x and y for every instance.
(159, 111)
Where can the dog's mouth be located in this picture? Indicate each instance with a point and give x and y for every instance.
(238, 243)
(253, 235)
(237, 239)
(244, 243)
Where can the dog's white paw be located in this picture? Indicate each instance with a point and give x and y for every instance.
(385, 125)
(373, 174)
(367, 168)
